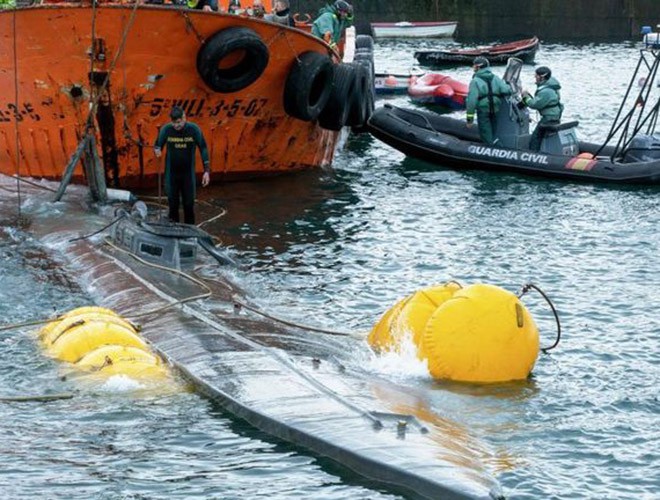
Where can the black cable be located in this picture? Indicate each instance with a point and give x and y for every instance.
(256, 310)
(523, 291)
(100, 230)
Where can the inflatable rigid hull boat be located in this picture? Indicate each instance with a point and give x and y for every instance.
(450, 143)
(298, 385)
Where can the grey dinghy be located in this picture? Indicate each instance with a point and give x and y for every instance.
(294, 384)
(629, 155)
(448, 142)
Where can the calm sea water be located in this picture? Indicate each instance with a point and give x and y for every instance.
(337, 248)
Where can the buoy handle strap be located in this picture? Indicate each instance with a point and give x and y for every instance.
(526, 288)
(75, 324)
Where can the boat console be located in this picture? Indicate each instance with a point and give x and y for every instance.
(561, 139)
(513, 121)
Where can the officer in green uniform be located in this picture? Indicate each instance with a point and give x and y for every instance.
(182, 139)
(332, 22)
(485, 94)
(546, 101)
(205, 5)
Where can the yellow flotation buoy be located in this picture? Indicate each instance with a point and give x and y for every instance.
(96, 339)
(80, 311)
(53, 331)
(384, 336)
(122, 360)
(409, 316)
(79, 340)
(480, 333)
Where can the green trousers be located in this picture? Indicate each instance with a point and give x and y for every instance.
(487, 126)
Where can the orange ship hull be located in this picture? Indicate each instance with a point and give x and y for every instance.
(150, 57)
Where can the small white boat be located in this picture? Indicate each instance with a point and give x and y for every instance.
(405, 29)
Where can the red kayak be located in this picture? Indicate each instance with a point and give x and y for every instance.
(436, 88)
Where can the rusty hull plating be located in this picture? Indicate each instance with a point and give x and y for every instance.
(247, 131)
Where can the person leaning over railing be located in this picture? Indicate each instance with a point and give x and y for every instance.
(234, 7)
(333, 20)
(343, 22)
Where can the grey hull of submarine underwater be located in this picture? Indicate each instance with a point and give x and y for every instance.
(236, 359)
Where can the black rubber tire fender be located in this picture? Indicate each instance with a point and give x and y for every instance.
(363, 50)
(235, 42)
(308, 85)
(335, 114)
(361, 58)
(364, 42)
(358, 113)
(370, 105)
(370, 68)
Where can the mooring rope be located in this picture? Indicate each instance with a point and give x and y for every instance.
(35, 184)
(234, 299)
(34, 322)
(120, 50)
(93, 53)
(222, 213)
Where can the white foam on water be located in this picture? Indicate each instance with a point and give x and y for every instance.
(121, 383)
(402, 362)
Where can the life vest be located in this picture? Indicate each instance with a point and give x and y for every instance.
(490, 95)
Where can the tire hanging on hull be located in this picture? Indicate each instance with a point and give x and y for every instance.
(232, 59)
(360, 106)
(308, 86)
(335, 114)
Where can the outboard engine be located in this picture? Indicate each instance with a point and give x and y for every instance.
(512, 117)
(643, 148)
